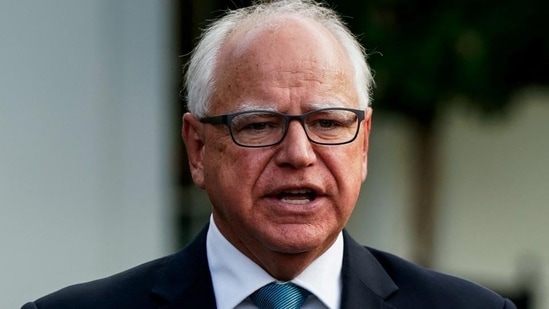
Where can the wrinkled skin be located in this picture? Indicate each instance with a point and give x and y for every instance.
(284, 205)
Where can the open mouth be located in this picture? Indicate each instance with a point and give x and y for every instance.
(299, 197)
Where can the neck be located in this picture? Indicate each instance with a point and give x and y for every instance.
(281, 265)
(284, 266)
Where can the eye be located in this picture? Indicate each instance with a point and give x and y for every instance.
(256, 122)
(327, 123)
(257, 126)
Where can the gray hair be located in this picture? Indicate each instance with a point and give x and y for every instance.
(200, 80)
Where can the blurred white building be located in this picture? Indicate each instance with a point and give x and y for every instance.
(84, 153)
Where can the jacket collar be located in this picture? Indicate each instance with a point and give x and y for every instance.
(366, 284)
(186, 281)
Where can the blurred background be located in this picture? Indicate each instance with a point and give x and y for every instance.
(93, 174)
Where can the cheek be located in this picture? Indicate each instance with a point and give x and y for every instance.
(231, 183)
(347, 162)
(347, 168)
(231, 169)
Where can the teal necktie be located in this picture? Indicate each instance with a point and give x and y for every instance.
(278, 295)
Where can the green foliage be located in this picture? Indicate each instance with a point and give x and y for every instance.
(424, 53)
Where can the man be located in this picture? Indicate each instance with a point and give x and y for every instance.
(277, 135)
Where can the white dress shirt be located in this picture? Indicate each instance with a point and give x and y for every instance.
(235, 276)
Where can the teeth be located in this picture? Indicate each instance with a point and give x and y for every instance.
(297, 196)
(299, 191)
(295, 201)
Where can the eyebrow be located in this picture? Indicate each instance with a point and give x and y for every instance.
(320, 105)
(251, 107)
(269, 107)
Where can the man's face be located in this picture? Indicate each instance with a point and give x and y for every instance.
(297, 196)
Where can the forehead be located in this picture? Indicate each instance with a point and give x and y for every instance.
(282, 55)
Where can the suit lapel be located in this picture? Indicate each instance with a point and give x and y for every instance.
(365, 282)
(186, 282)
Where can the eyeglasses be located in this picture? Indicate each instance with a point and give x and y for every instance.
(260, 128)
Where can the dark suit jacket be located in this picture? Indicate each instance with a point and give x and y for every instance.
(371, 280)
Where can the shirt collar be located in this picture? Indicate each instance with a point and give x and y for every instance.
(235, 276)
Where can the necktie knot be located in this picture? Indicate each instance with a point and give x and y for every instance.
(277, 295)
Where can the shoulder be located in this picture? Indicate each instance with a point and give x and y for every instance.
(424, 287)
(141, 287)
(128, 289)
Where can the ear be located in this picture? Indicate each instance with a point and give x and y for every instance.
(367, 126)
(191, 132)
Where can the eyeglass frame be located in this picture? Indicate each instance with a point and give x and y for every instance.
(227, 118)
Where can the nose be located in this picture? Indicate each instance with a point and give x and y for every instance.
(295, 150)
